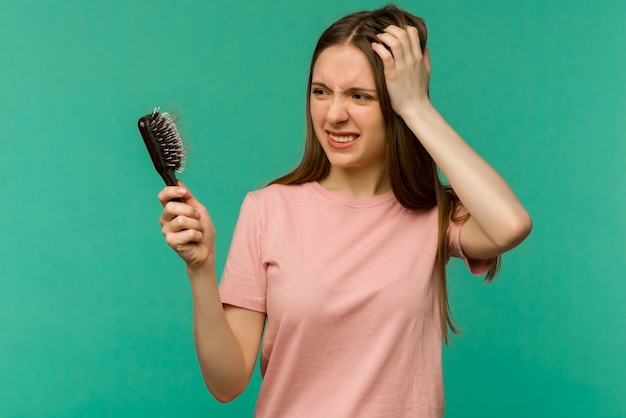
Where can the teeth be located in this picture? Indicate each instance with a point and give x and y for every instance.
(342, 139)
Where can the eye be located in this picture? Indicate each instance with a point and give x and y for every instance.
(361, 96)
(317, 91)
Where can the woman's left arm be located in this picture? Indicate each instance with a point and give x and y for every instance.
(498, 221)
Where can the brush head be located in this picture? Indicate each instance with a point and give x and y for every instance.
(164, 144)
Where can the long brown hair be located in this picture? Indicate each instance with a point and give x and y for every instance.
(412, 171)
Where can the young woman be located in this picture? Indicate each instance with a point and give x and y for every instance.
(339, 266)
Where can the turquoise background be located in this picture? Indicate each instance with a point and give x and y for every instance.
(95, 313)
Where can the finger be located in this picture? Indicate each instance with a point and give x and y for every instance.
(394, 45)
(402, 42)
(181, 223)
(190, 198)
(198, 211)
(170, 193)
(383, 53)
(414, 39)
(173, 209)
(426, 60)
(180, 239)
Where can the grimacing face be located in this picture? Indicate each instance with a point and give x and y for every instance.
(345, 109)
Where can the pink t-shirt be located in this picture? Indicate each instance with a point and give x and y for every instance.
(350, 288)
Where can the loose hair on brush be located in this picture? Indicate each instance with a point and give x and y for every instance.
(412, 171)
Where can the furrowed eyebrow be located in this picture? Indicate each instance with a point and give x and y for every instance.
(318, 84)
(362, 90)
(350, 90)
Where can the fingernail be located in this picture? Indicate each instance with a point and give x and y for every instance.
(181, 191)
(197, 215)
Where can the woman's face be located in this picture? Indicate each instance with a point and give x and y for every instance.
(345, 110)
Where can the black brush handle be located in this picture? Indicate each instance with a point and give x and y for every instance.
(170, 179)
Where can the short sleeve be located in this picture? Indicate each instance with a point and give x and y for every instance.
(476, 267)
(244, 280)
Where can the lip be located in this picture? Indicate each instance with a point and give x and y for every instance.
(340, 145)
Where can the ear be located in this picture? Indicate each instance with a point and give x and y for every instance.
(426, 58)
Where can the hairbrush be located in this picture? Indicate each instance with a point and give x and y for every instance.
(164, 144)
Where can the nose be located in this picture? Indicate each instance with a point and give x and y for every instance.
(337, 111)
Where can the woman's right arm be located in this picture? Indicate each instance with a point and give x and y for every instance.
(227, 338)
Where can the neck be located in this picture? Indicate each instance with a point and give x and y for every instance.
(355, 183)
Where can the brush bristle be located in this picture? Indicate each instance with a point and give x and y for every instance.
(164, 130)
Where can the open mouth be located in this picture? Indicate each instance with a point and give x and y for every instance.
(342, 138)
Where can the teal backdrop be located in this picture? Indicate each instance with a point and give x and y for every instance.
(95, 310)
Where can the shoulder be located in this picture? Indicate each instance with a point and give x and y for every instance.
(275, 192)
(278, 197)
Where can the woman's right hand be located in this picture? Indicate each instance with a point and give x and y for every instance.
(187, 226)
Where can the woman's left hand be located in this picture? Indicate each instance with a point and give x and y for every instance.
(407, 69)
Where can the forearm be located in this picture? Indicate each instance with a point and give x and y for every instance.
(219, 353)
(496, 213)
(484, 193)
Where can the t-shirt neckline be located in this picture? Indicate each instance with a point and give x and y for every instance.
(351, 201)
